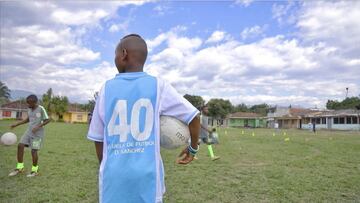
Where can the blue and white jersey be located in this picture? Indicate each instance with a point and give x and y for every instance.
(126, 119)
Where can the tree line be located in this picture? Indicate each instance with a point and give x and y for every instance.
(348, 103)
(218, 108)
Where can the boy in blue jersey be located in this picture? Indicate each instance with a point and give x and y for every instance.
(125, 128)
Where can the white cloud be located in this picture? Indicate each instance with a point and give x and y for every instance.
(245, 3)
(79, 84)
(308, 68)
(78, 18)
(119, 27)
(334, 23)
(216, 36)
(37, 45)
(251, 32)
(281, 12)
(174, 41)
(47, 48)
(161, 10)
(275, 70)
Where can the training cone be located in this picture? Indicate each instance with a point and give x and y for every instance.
(287, 139)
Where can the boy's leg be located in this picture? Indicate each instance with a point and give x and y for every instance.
(35, 146)
(35, 157)
(211, 152)
(35, 167)
(20, 160)
(20, 153)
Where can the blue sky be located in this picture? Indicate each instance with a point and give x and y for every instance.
(277, 52)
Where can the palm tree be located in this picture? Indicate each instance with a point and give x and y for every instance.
(4, 91)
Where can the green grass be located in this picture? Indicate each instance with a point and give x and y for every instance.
(309, 168)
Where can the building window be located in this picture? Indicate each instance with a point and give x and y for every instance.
(18, 114)
(354, 120)
(342, 120)
(6, 114)
(79, 117)
(317, 120)
(348, 120)
(323, 120)
(336, 120)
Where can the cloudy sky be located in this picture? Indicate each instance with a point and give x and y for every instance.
(299, 53)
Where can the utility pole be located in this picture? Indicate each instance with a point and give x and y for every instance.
(347, 91)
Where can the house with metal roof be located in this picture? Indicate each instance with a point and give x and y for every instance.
(14, 110)
(345, 119)
(246, 119)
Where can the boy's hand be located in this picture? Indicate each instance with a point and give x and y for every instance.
(35, 129)
(188, 157)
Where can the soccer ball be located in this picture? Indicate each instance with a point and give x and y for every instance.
(173, 133)
(8, 138)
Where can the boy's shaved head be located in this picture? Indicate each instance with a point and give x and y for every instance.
(131, 53)
(32, 98)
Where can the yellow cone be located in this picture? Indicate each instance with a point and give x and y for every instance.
(253, 134)
(287, 139)
(273, 134)
(242, 132)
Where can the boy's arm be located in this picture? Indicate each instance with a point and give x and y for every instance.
(99, 150)
(26, 120)
(45, 120)
(209, 131)
(36, 128)
(194, 128)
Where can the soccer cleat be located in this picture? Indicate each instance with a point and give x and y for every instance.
(16, 171)
(32, 174)
(215, 158)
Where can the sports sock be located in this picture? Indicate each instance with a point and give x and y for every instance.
(211, 152)
(19, 166)
(34, 168)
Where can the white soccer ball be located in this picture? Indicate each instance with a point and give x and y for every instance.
(8, 138)
(173, 133)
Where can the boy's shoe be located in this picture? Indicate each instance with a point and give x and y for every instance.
(32, 174)
(215, 158)
(16, 171)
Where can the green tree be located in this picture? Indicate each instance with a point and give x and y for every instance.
(261, 109)
(219, 108)
(60, 104)
(47, 100)
(91, 103)
(4, 91)
(240, 108)
(348, 103)
(196, 101)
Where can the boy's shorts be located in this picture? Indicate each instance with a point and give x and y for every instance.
(33, 142)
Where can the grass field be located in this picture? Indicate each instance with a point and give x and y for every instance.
(263, 168)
